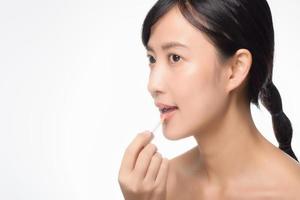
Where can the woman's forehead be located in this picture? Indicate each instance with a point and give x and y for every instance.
(173, 30)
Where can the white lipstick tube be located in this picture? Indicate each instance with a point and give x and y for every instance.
(158, 125)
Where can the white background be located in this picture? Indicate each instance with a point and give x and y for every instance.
(73, 94)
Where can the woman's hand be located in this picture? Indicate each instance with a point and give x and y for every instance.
(143, 172)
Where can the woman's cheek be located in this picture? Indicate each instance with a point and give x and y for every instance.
(201, 107)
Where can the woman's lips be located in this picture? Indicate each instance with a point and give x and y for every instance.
(169, 114)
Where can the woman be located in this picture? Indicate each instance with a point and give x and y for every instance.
(209, 60)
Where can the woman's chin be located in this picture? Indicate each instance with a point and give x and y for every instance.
(173, 134)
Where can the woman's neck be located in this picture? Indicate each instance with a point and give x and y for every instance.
(226, 148)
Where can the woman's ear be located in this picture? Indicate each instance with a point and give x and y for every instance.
(238, 69)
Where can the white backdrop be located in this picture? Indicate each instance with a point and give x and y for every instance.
(73, 94)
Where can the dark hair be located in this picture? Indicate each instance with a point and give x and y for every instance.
(231, 25)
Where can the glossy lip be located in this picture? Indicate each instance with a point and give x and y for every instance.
(167, 115)
(161, 106)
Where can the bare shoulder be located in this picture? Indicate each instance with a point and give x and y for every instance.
(184, 161)
(286, 171)
(293, 168)
(290, 166)
(293, 177)
(176, 183)
(280, 172)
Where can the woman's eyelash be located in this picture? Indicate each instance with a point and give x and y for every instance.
(172, 54)
(149, 56)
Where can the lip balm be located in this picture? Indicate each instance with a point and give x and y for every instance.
(158, 124)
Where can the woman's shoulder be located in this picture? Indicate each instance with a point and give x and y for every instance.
(291, 175)
(288, 165)
(178, 165)
(183, 162)
(282, 171)
(177, 179)
(291, 169)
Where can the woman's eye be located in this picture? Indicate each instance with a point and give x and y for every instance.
(175, 57)
(151, 59)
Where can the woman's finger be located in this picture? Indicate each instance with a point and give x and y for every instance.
(133, 150)
(153, 168)
(143, 161)
(161, 179)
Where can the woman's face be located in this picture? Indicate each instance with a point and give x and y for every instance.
(187, 77)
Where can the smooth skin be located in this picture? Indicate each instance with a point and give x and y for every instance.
(232, 159)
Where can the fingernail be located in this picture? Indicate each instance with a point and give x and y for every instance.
(149, 133)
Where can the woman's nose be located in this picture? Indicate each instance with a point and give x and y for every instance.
(156, 82)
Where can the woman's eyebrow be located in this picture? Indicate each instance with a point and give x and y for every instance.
(168, 45)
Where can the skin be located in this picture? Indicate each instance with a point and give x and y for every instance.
(232, 160)
(143, 173)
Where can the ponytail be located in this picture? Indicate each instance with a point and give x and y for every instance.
(282, 126)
